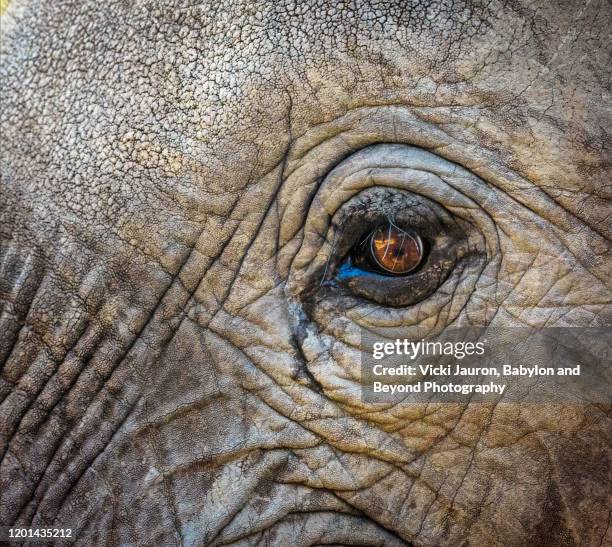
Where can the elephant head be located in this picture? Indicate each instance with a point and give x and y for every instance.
(192, 195)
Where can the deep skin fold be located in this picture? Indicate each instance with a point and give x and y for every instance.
(165, 195)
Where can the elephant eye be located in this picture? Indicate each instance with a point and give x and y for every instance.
(384, 230)
(392, 248)
(398, 263)
(389, 250)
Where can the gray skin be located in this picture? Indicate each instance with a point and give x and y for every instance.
(173, 175)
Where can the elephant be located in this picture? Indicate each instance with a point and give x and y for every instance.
(193, 204)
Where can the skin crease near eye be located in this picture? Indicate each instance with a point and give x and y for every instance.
(305, 273)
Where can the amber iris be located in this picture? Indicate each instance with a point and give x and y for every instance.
(395, 250)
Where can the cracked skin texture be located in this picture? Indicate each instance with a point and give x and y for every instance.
(163, 201)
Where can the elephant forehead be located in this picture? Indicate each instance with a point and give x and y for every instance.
(176, 107)
(208, 69)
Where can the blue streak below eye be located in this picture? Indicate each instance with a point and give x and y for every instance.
(347, 271)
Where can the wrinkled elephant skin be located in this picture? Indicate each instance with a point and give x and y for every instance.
(178, 179)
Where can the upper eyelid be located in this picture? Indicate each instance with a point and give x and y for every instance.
(422, 213)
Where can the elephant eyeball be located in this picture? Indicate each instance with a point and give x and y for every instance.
(389, 250)
(394, 250)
